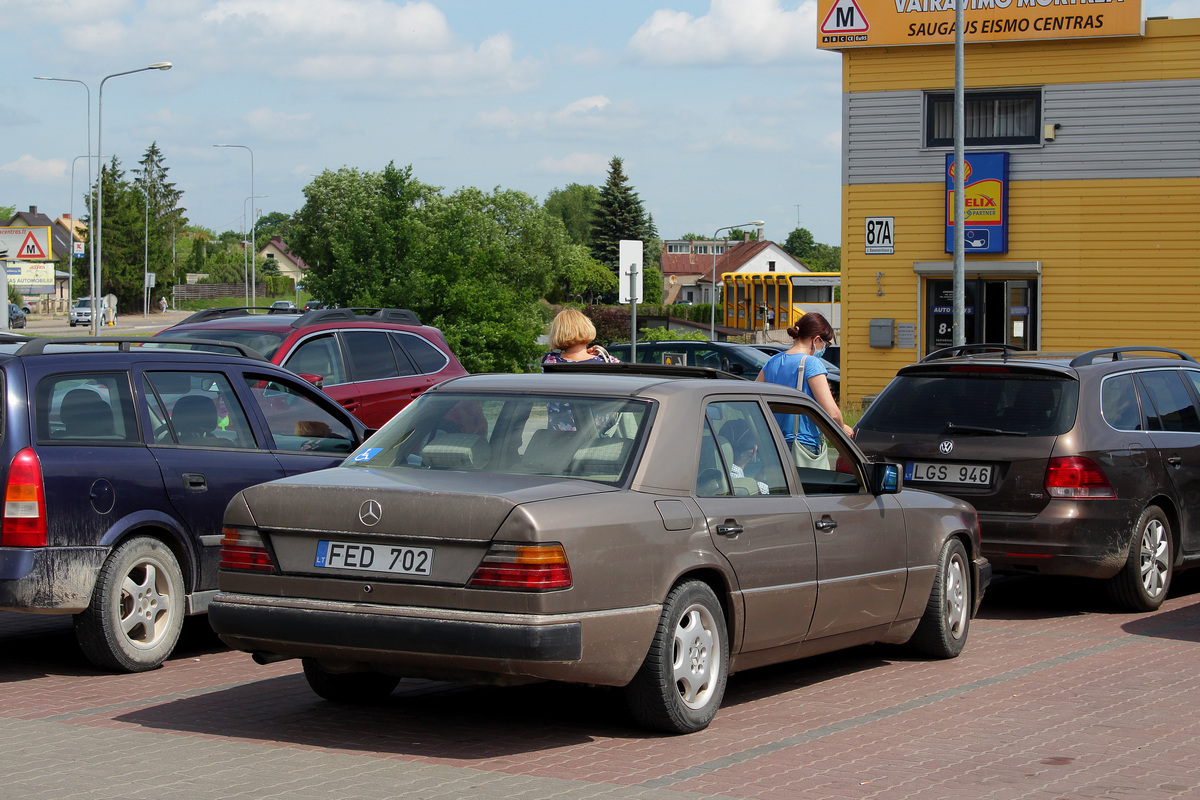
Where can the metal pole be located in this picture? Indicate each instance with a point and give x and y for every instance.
(960, 170)
(250, 295)
(146, 252)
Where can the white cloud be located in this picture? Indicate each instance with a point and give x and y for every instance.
(575, 164)
(278, 125)
(590, 57)
(743, 139)
(595, 115)
(34, 169)
(733, 31)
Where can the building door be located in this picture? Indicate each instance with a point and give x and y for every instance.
(996, 311)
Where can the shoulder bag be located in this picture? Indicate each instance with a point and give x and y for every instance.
(800, 453)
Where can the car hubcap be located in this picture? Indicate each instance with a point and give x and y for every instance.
(1154, 558)
(145, 605)
(696, 665)
(957, 601)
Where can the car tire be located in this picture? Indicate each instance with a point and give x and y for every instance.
(136, 612)
(942, 632)
(348, 687)
(1143, 581)
(682, 681)
(72, 324)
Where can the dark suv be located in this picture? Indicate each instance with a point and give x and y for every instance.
(1078, 464)
(118, 461)
(372, 361)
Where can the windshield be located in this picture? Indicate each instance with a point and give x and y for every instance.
(264, 342)
(979, 403)
(84, 303)
(590, 438)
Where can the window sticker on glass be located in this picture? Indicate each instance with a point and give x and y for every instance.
(368, 454)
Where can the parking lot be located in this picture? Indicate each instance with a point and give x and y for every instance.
(1054, 697)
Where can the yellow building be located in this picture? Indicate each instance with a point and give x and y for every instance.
(1102, 137)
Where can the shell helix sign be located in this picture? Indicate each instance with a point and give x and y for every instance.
(843, 24)
(985, 195)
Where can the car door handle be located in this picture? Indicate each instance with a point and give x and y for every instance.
(729, 530)
(195, 482)
(1174, 461)
(825, 524)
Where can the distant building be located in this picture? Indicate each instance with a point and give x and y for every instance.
(687, 265)
(290, 265)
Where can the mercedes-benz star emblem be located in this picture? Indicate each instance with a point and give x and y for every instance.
(369, 513)
(946, 447)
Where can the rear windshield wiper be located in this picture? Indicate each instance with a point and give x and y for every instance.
(952, 427)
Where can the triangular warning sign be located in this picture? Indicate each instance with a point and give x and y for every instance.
(845, 17)
(30, 247)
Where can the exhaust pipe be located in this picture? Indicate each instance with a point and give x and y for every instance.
(263, 659)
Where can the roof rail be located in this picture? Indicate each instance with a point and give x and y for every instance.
(231, 311)
(634, 368)
(964, 349)
(399, 315)
(37, 346)
(1117, 354)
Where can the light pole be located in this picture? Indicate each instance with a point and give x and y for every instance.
(91, 206)
(250, 297)
(712, 326)
(162, 65)
(249, 245)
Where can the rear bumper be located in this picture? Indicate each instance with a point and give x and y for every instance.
(601, 647)
(49, 578)
(1087, 538)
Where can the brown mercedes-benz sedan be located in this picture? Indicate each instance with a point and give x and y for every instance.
(635, 529)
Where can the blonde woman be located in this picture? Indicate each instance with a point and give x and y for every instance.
(571, 337)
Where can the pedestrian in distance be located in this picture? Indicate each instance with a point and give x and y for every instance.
(162, 304)
(571, 337)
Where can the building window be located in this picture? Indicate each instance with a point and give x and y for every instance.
(719, 249)
(770, 266)
(678, 247)
(700, 249)
(990, 118)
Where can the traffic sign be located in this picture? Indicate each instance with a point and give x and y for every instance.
(26, 243)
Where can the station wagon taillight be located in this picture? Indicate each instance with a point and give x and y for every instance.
(533, 567)
(1077, 477)
(243, 550)
(24, 503)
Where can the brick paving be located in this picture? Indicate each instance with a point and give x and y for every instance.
(1055, 697)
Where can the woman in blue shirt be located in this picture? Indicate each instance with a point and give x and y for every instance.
(810, 336)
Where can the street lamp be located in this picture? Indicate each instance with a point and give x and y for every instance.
(162, 65)
(249, 245)
(91, 208)
(250, 295)
(712, 327)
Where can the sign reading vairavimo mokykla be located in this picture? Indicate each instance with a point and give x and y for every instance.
(985, 226)
(886, 23)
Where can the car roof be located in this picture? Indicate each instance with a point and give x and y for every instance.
(245, 318)
(986, 356)
(139, 347)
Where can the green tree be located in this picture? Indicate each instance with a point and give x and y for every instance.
(799, 244)
(122, 238)
(7, 212)
(276, 223)
(162, 216)
(619, 215)
(583, 278)
(576, 206)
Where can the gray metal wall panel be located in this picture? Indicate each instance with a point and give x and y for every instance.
(1145, 129)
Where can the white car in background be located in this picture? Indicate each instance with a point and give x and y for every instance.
(81, 312)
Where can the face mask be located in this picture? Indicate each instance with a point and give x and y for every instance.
(821, 352)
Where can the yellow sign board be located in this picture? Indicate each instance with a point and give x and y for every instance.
(886, 23)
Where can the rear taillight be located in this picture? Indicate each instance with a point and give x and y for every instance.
(24, 503)
(243, 550)
(533, 567)
(1078, 477)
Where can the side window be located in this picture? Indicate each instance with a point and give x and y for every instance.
(370, 355)
(196, 409)
(296, 421)
(836, 472)
(96, 408)
(1118, 403)
(745, 449)
(427, 358)
(712, 479)
(1173, 405)
(318, 356)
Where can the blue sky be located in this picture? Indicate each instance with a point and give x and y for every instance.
(723, 110)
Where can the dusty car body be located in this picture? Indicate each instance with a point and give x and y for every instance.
(592, 529)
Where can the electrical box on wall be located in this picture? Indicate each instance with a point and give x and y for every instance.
(883, 333)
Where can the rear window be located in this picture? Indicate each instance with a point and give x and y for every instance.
(590, 438)
(265, 342)
(987, 403)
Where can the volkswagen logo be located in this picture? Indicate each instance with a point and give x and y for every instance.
(369, 513)
(945, 447)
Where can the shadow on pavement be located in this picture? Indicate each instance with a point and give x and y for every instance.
(1031, 597)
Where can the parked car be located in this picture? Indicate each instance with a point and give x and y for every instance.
(118, 462)
(744, 360)
(312, 304)
(372, 361)
(29, 307)
(628, 529)
(283, 307)
(81, 312)
(1081, 464)
(16, 316)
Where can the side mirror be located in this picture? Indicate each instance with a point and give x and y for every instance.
(885, 478)
(313, 378)
(734, 368)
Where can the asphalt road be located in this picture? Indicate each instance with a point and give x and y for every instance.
(1054, 697)
(126, 324)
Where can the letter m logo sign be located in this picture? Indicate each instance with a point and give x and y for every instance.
(845, 17)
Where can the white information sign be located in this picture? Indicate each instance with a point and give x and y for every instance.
(629, 275)
(881, 236)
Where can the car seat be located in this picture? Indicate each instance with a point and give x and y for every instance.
(85, 414)
(194, 418)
